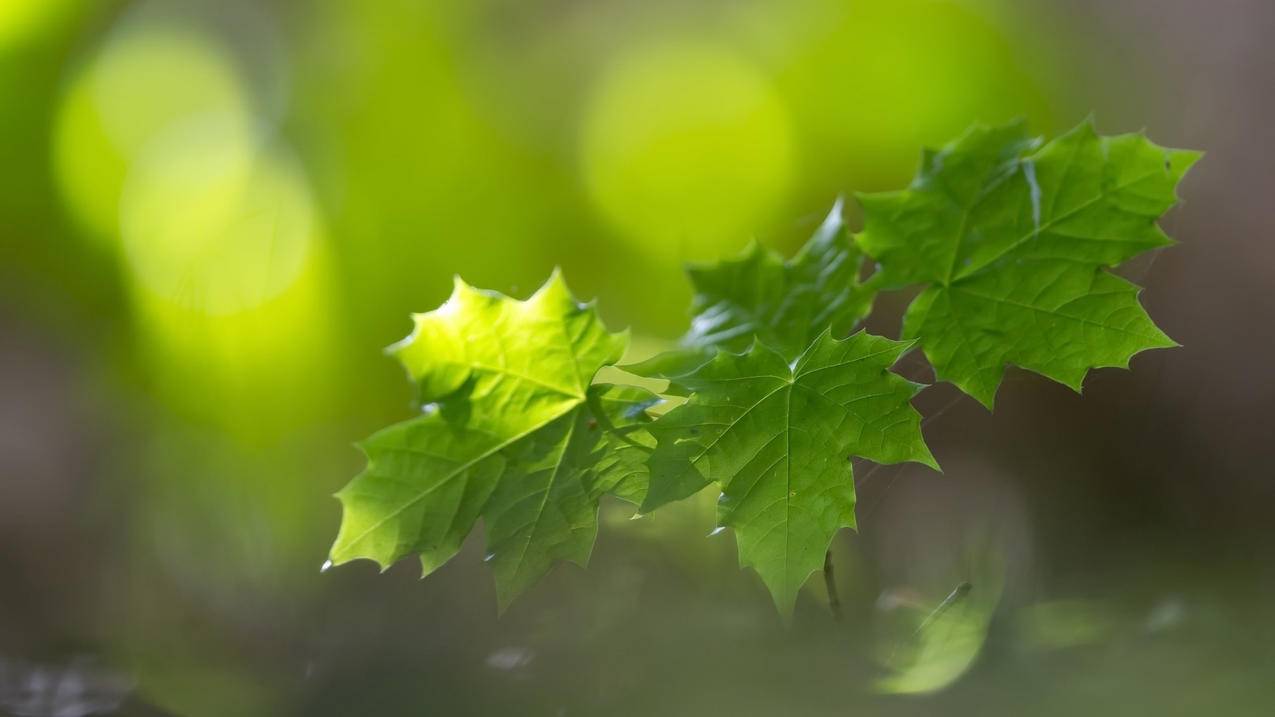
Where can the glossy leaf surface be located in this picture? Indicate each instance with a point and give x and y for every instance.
(511, 431)
(777, 438)
(1012, 240)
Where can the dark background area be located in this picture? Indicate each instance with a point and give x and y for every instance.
(213, 215)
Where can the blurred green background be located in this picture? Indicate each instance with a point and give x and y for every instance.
(213, 215)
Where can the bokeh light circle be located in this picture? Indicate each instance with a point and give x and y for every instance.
(145, 79)
(890, 77)
(213, 221)
(686, 149)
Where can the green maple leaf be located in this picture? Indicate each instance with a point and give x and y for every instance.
(785, 304)
(1012, 239)
(777, 436)
(511, 431)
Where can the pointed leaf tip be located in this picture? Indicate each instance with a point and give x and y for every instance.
(758, 294)
(763, 432)
(473, 457)
(1027, 287)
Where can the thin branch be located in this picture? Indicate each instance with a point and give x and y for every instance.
(829, 581)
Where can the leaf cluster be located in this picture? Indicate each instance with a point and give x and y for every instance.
(1011, 241)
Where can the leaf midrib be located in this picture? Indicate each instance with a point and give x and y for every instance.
(457, 471)
(1103, 193)
(544, 501)
(1056, 312)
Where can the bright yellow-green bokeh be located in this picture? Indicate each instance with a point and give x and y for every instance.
(212, 222)
(21, 19)
(157, 150)
(885, 78)
(258, 374)
(222, 244)
(686, 149)
(140, 83)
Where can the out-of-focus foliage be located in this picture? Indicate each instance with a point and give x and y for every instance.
(20, 20)
(617, 139)
(686, 143)
(926, 645)
(145, 85)
(1061, 624)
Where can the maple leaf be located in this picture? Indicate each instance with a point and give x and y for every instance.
(785, 304)
(777, 436)
(511, 431)
(1012, 239)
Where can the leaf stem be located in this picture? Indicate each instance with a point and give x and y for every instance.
(830, 582)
